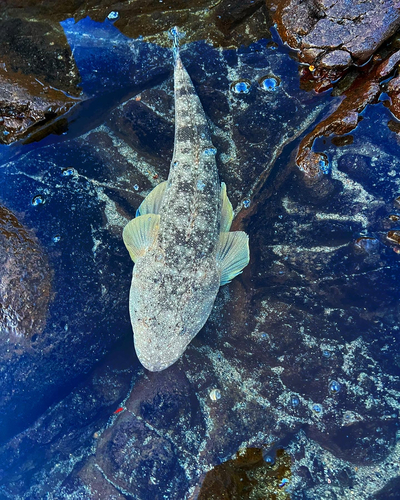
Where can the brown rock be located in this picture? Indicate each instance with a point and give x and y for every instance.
(336, 59)
(25, 279)
(331, 34)
(38, 76)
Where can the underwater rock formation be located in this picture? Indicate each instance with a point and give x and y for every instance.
(302, 348)
(25, 281)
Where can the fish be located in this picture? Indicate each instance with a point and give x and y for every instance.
(180, 240)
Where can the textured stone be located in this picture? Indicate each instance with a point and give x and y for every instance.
(25, 281)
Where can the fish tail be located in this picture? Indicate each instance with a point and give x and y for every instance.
(176, 36)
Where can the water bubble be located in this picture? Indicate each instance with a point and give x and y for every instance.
(113, 15)
(323, 163)
(326, 354)
(269, 83)
(241, 87)
(210, 151)
(246, 203)
(268, 458)
(175, 164)
(37, 200)
(317, 408)
(56, 238)
(215, 394)
(136, 187)
(283, 482)
(200, 185)
(68, 171)
(334, 386)
(294, 401)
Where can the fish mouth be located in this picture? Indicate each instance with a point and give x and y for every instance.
(156, 366)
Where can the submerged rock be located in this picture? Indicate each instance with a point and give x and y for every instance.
(303, 347)
(25, 281)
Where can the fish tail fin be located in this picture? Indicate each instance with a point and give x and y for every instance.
(176, 36)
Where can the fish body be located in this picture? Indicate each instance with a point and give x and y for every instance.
(180, 240)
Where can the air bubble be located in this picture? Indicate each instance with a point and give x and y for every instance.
(113, 15)
(56, 238)
(269, 83)
(241, 87)
(334, 386)
(37, 200)
(317, 408)
(294, 401)
(175, 164)
(246, 203)
(323, 163)
(68, 171)
(136, 187)
(268, 458)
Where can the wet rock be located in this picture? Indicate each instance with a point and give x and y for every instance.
(331, 35)
(248, 476)
(393, 236)
(390, 491)
(150, 467)
(39, 79)
(225, 23)
(66, 431)
(393, 91)
(336, 59)
(307, 311)
(25, 281)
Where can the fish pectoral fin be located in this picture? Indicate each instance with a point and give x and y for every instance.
(233, 254)
(151, 204)
(226, 210)
(139, 234)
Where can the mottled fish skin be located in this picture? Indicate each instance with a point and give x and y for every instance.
(175, 283)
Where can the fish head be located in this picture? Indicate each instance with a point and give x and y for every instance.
(168, 308)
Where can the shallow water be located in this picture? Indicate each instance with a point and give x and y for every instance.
(318, 302)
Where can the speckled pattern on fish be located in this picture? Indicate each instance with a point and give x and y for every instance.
(179, 240)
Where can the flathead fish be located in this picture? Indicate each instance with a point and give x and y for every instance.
(180, 240)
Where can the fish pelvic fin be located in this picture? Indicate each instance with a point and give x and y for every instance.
(233, 254)
(140, 233)
(226, 210)
(151, 204)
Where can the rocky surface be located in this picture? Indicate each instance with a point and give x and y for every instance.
(335, 34)
(38, 76)
(303, 347)
(25, 288)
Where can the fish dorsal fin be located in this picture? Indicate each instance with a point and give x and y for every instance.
(139, 234)
(226, 210)
(151, 204)
(233, 254)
